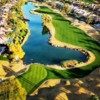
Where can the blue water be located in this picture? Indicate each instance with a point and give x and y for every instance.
(38, 50)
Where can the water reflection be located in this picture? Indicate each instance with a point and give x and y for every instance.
(45, 30)
(38, 50)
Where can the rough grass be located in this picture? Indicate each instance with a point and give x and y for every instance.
(34, 76)
(3, 58)
(89, 1)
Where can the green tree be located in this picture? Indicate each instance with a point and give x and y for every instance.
(11, 89)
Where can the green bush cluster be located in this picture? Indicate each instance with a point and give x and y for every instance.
(16, 23)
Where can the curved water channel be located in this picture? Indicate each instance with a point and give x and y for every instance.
(38, 50)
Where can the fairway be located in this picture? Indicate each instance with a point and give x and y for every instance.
(49, 49)
(34, 76)
(67, 33)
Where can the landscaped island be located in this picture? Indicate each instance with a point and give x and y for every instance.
(57, 48)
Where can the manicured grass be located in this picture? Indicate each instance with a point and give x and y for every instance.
(38, 73)
(65, 32)
(32, 77)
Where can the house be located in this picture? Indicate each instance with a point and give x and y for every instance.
(59, 5)
(2, 21)
(3, 39)
(97, 26)
(1, 11)
(2, 49)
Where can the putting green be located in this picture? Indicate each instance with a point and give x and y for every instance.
(32, 77)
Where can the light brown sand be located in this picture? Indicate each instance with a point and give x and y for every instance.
(58, 43)
(72, 89)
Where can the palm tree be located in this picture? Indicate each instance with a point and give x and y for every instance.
(53, 5)
(89, 19)
(67, 9)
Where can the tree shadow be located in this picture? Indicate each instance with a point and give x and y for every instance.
(97, 37)
(90, 83)
(46, 12)
(52, 92)
(93, 48)
(58, 16)
(92, 42)
(11, 72)
(45, 30)
(49, 93)
(91, 31)
(62, 19)
(78, 73)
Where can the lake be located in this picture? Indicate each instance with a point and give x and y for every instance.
(38, 50)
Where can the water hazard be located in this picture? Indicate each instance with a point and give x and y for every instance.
(38, 50)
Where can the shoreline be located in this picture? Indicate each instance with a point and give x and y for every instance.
(26, 37)
(18, 69)
(54, 42)
(58, 43)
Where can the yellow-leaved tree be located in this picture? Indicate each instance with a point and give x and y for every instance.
(18, 52)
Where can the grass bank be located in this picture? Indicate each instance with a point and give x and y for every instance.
(67, 33)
